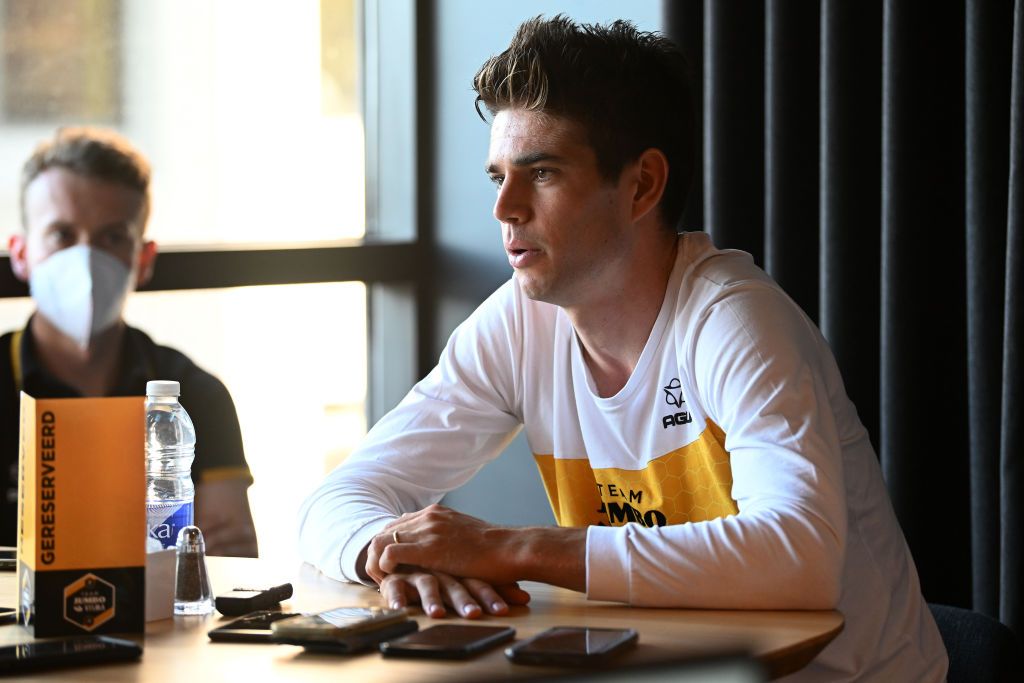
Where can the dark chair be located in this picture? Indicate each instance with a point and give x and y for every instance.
(980, 648)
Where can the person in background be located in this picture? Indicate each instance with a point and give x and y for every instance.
(688, 420)
(85, 201)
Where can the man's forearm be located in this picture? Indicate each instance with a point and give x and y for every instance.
(554, 555)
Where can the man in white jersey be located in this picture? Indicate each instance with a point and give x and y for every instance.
(689, 422)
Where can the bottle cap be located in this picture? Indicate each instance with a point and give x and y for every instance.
(163, 387)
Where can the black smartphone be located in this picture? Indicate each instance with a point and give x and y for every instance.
(252, 628)
(52, 654)
(241, 601)
(573, 646)
(448, 641)
(8, 559)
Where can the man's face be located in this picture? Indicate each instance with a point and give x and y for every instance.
(566, 229)
(65, 209)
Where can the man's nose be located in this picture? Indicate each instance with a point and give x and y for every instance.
(513, 202)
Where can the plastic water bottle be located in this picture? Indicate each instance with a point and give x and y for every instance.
(170, 449)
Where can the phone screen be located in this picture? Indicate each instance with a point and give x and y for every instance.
(581, 641)
(254, 627)
(343, 617)
(69, 652)
(8, 558)
(330, 624)
(448, 640)
(572, 645)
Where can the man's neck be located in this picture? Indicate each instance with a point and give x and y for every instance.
(91, 371)
(614, 330)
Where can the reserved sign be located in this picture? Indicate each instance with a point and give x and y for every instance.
(82, 515)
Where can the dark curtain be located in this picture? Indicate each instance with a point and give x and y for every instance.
(869, 155)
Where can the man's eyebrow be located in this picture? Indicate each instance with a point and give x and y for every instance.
(526, 160)
(117, 225)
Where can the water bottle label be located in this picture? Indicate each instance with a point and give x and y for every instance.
(164, 520)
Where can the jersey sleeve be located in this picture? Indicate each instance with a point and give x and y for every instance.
(764, 375)
(462, 415)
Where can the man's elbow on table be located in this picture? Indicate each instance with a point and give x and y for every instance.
(817, 588)
(812, 577)
(801, 555)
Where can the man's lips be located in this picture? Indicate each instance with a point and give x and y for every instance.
(520, 256)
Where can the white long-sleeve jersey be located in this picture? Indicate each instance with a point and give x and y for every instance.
(731, 471)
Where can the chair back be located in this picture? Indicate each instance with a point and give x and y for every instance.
(979, 647)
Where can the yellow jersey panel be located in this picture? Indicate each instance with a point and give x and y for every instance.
(690, 484)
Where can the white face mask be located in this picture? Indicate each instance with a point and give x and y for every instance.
(81, 291)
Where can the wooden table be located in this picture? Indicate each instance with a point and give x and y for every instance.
(178, 649)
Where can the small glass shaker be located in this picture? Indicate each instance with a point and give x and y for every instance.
(192, 592)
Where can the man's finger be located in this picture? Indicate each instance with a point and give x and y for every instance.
(373, 552)
(458, 596)
(486, 596)
(430, 594)
(393, 591)
(513, 594)
(393, 554)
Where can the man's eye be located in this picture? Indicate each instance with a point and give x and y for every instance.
(541, 174)
(497, 180)
(61, 236)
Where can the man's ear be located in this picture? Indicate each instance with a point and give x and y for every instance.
(652, 175)
(147, 260)
(19, 261)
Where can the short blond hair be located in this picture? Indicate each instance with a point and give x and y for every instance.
(94, 153)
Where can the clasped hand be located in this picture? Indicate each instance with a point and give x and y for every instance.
(439, 557)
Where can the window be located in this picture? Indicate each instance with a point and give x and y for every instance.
(286, 218)
(298, 378)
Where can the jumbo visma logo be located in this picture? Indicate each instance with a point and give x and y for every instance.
(674, 397)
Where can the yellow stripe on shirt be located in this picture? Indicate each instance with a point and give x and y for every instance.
(690, 484)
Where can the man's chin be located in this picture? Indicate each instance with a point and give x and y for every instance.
(537, 289)
(530, 286)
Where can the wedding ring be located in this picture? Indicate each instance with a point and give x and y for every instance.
(394, 535)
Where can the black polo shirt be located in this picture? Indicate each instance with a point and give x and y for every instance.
(219, 452)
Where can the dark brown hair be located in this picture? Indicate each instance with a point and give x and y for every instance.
(628, 89)
(94, 153)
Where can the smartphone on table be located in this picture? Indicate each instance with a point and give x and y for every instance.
(344, 630)
(573, 646)
(251, 628)
(8, 558)
(69, 652)
(448, 641)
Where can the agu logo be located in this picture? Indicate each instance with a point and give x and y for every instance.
(674, 397)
